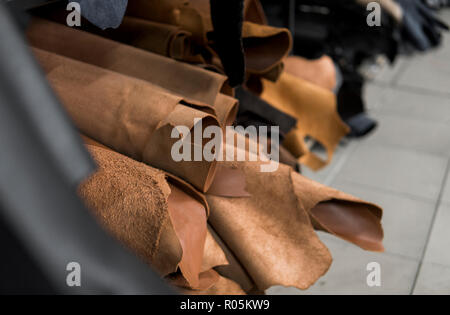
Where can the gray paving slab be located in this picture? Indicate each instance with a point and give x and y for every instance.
(396, 170)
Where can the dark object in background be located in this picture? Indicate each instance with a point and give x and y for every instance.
(103, 14)
(227, 18)
(420, 27)
(253, 111)
(40, 212)
(22, 78)
(351, 106)
(339, 29)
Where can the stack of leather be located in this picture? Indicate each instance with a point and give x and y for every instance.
(207, 227)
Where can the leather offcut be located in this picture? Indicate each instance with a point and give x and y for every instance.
(321, 72)
(315, 109)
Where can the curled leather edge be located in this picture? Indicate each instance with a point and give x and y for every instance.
(266, 37)
(198, 173)
(324, 219)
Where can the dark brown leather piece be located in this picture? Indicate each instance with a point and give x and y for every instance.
(343, 215)
(265, 47)
(185, 80)
(163, 39)
(352, 222)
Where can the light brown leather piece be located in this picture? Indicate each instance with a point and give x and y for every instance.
(185, 80)
(188, 217)
(265, 47)
(320, 72)
(351, 222)
(314, 108)
(126, 114)
(269, 233)
(141, 220)
(345, 216)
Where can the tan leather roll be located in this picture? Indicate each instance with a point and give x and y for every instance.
(315, 109)
(191, 82)
(320, 72)
(129, 115)
(163, 225)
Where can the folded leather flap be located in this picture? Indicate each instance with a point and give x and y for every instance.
(159, 150)
(189, 220)
(254, 12)
(345, 216)
(316, 113)
(351, 221)
(265, 46)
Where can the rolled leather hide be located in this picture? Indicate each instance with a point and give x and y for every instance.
(131, 116)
